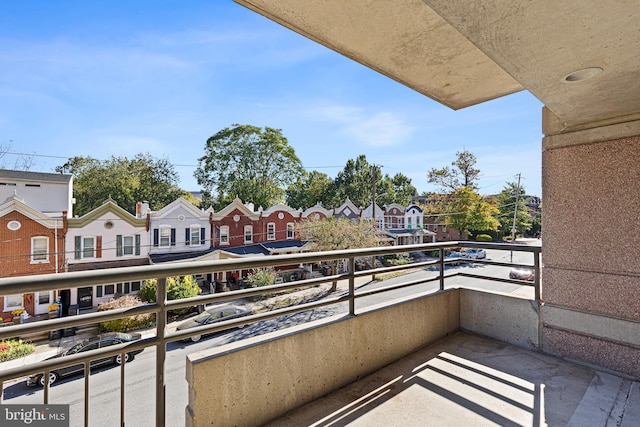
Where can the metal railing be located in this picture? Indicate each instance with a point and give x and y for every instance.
(42, 283)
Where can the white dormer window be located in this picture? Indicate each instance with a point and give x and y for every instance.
(224, 235)
(248, 233)
(290, 230)
(39, 250)
(271, 231)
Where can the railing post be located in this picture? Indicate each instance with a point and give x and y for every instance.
(537, 294)
(161, 348)
(352, 286)
(441, 263)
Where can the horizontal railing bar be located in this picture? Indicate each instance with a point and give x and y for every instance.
(365, 293)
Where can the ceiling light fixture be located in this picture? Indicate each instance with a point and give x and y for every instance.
(583, 74)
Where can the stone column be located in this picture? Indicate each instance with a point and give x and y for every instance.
(591, 244)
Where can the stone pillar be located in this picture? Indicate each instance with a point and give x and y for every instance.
(591, 243)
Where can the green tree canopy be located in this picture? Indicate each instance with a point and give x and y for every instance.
(462, 173)
(126, 181)
(251, 163)
(356, 182)
(309, 189)
(467, 210)
(506, 201)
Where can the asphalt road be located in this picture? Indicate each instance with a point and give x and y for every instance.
(104, 400)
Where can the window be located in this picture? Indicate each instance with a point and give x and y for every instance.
(435, 227)
(248, 233)
(224, 235)
(99, 291)
(271, 231)
(39, 252)
(44, 298)
(109, 289)
(409, 222)
(11, 302)
(88, 247)
(135, 286)
(290, 230)
(444, 228)
(194, 236)
(128, 245)
(165, 236)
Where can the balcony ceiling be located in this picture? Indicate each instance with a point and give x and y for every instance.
(461, 52)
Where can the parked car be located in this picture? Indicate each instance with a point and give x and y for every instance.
(475, 253)
(455, 258)
(100, 341)
(213, 315)
(522, 274)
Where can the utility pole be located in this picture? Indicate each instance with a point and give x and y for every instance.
(373, 194)
(515, 212)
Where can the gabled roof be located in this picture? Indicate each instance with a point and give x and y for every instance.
(15, 203)
(368, 211)
(348, 204)
(109, 206)
(35, 176)
(396, 206)
(414, 206)
(281, 207)
(236, 204)
(318, 208)
(183, 203)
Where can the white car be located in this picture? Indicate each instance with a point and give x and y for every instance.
(475, 253)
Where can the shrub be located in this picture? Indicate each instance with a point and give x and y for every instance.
(177, 288)
(126, 323)
(14, 348)
(395, 259)
(483, 238)
(262, 277)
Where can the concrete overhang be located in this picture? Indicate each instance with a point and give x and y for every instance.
(461, 52)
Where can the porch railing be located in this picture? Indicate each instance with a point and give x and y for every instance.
(43, 283)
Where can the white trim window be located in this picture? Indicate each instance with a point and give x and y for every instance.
(224, 234)
(194, 235)
(128, 245)
(165, 236)
(13, 302)
(248, 233)
(39, 249)
(444, 228)
(88, 247)
(271, 231)
(290, 230)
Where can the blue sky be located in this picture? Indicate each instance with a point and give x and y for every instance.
(116, 78)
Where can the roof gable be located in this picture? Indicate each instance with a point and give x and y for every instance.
(109, 206)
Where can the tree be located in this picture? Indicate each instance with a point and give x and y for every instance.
(506, 201)
(337, 233)
(309, 189)
(126, 181)
(467, 210)
(23, 162)
(356, 180)
(462, 173)
(248, 162)
(177, 288)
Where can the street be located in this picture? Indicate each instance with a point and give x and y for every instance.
(104, 403)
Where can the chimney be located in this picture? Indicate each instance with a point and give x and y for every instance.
(141, 209)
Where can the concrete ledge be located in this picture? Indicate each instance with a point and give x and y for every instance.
(506, 318)
(258, 380)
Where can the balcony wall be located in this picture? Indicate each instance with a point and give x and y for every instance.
(256, 381)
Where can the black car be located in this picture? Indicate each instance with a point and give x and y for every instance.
(100, 341)
(213, 315)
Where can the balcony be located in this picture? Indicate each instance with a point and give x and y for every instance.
(432, 348)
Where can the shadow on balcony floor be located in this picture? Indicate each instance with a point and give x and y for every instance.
(473, 381)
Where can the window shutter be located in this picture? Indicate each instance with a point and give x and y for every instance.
(98, 246)
(155, 237)
(119, 245)
(173, 237)
(137, 244)
(202, 236)
(187, 237)
(77, 250)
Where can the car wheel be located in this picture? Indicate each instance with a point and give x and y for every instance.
(53, 377)
(196, 338)
(118, 359)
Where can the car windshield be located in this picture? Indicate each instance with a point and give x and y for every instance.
(201, 318)
(76, 348)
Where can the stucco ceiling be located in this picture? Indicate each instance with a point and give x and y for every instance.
(461, 52)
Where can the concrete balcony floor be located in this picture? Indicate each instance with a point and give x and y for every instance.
(468, 380)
